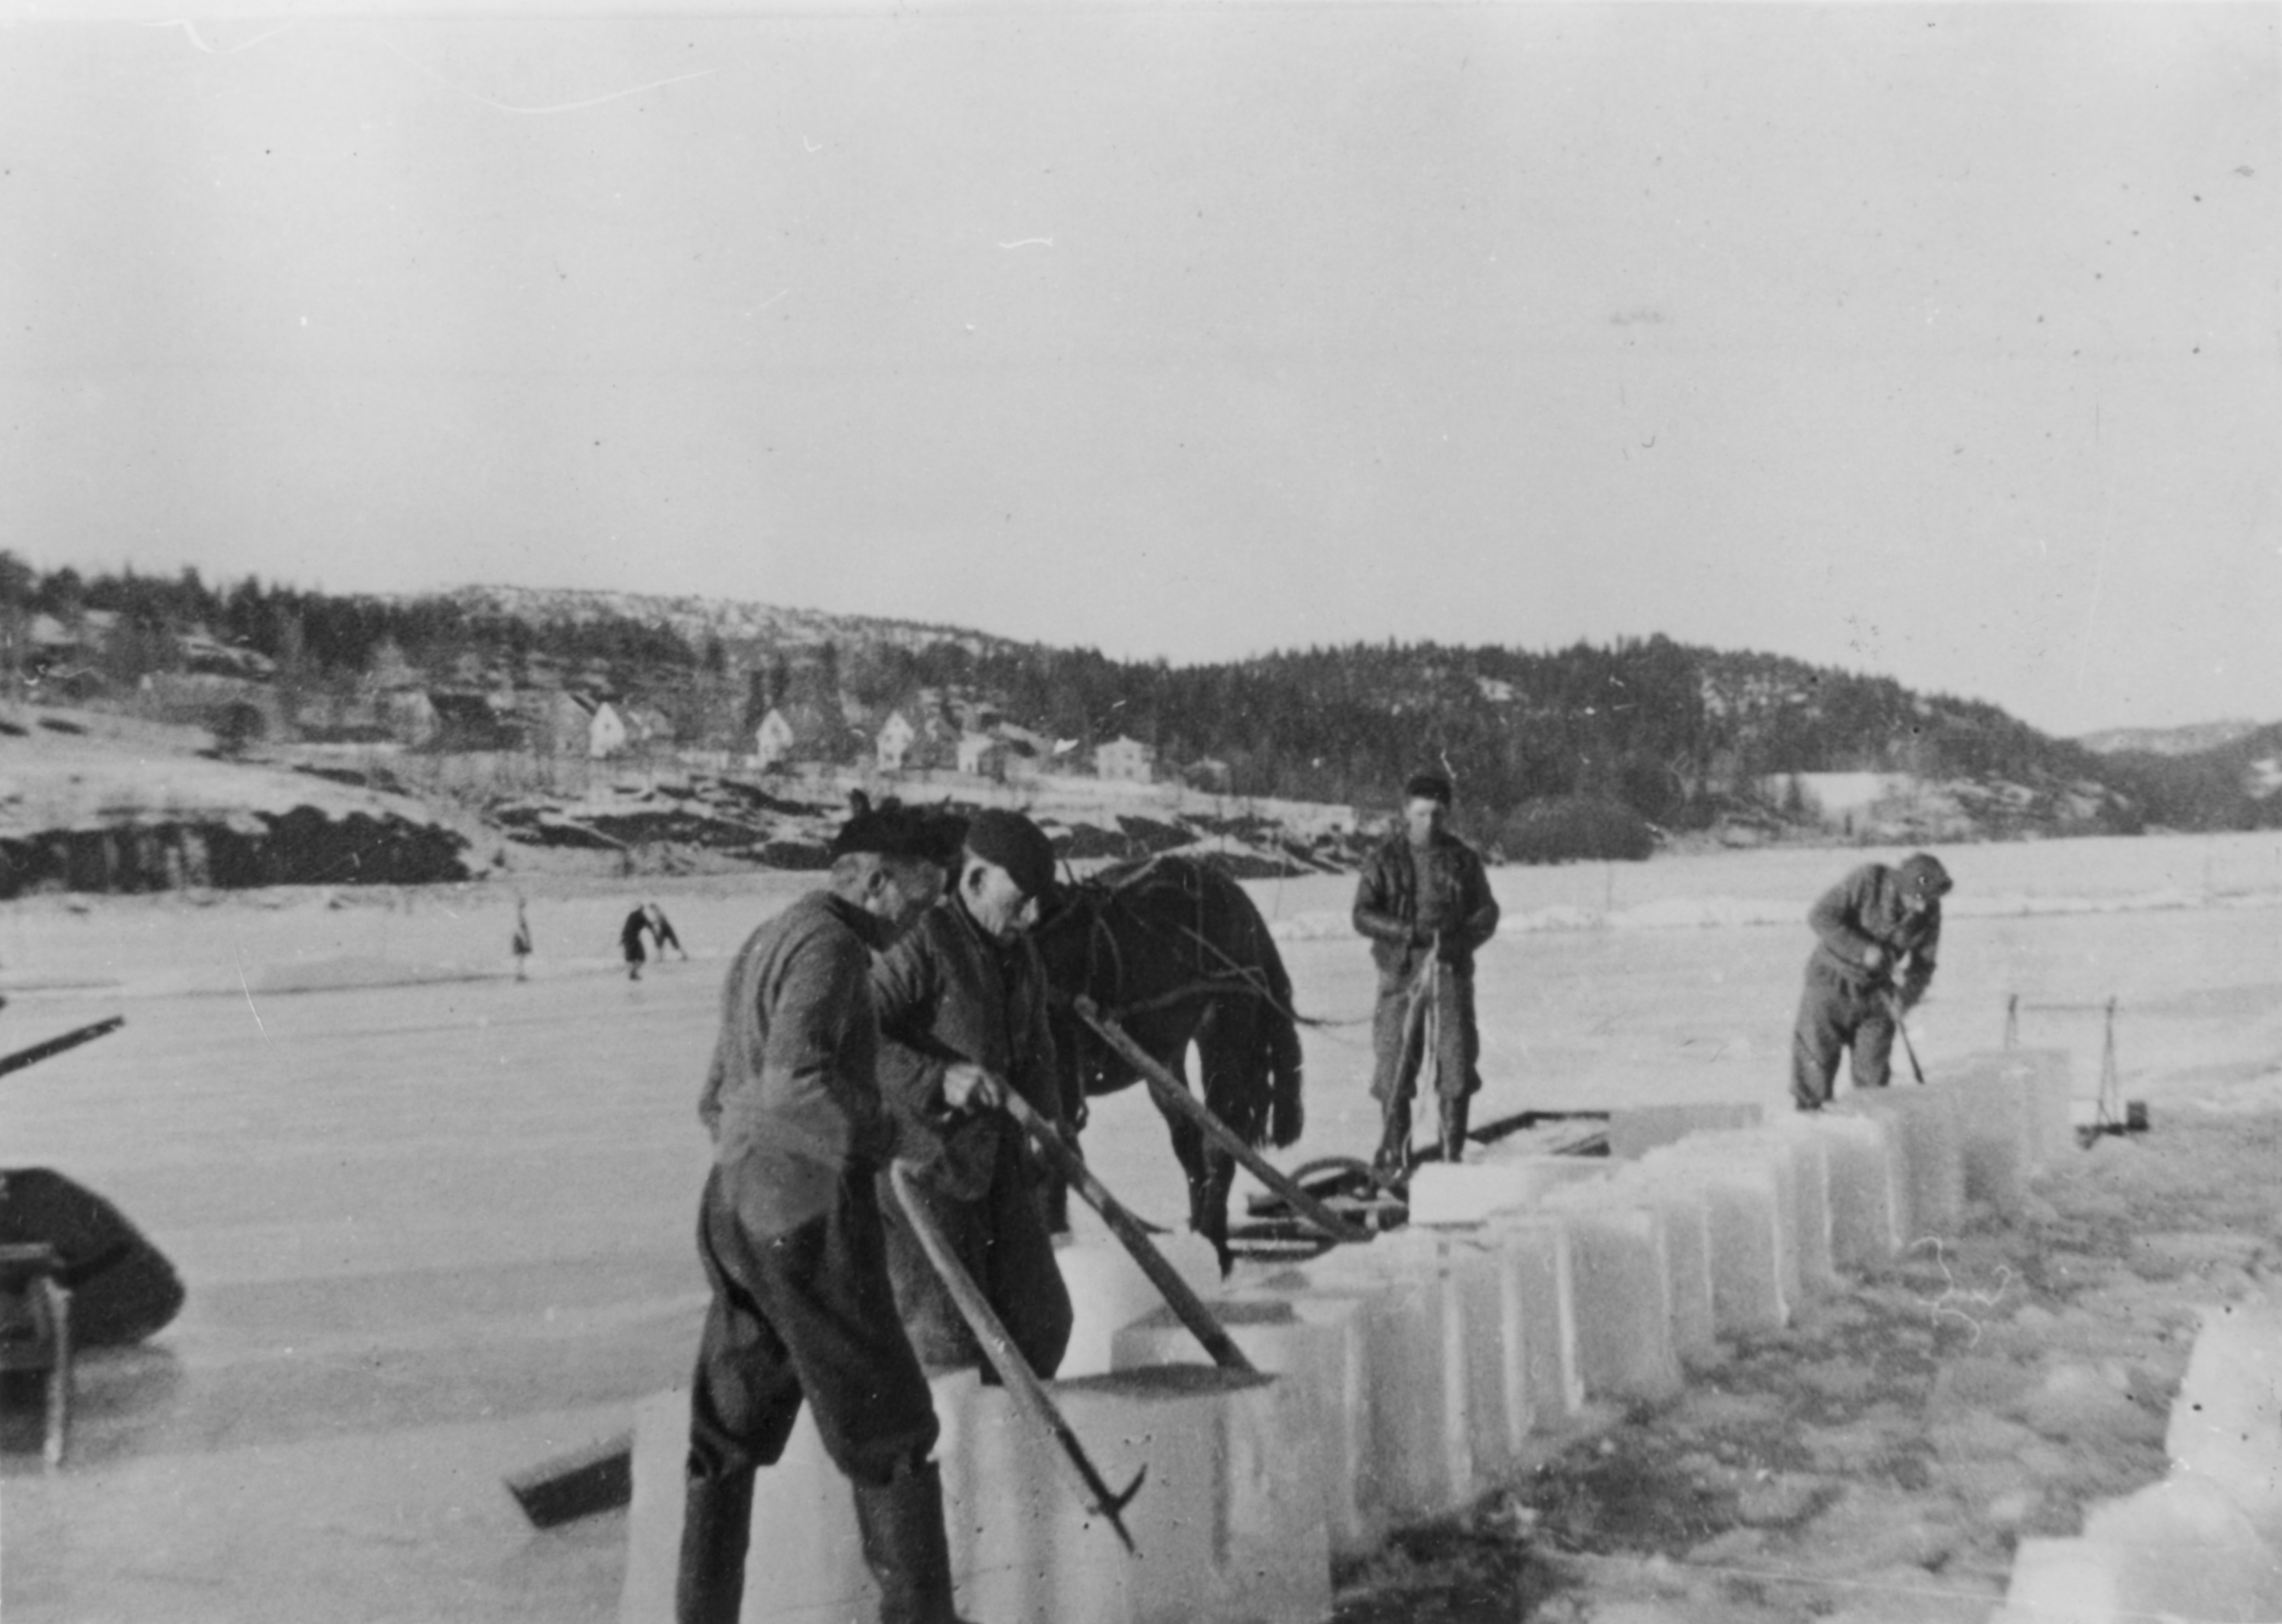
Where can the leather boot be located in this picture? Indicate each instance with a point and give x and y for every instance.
(901, 1524)
(717, 1523)
(1454, 1129)
(1393, 1157)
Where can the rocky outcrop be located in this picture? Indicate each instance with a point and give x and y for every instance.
(303, 847)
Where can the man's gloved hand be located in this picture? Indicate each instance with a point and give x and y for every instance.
(1874, 957)
(970, 1087)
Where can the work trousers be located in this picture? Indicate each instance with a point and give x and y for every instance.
(1399, 1044)
(1002, 1239)
(805, 1315)
(1836, 1012)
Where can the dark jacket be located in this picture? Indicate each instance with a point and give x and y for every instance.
(946, 992)
(1865, 910)
(792, 1097)
(1387, 905)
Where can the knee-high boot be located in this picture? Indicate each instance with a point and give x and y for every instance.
(901, 1523)
(717, 1523)
(1454, 1128)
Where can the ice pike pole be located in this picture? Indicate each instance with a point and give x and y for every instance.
(1183, 1301)
(1169, 1093)
(1029, 1394)
(1902, 1030)
(53, 1046)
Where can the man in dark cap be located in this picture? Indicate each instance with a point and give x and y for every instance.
(790, 1236)
(1876, 933)
(962, 1003)
(1425, 904)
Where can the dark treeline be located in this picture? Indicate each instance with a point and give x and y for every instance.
(1673, 734)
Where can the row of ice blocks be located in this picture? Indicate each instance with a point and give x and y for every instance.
(1402, 1377)
(2204, 1544)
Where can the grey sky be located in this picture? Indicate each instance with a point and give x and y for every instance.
(1941, 342)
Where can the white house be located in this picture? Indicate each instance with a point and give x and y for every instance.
(606, 730)
(1125, 758)
(895, 742)
(773, 740)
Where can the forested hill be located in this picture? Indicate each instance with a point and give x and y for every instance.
(1680, 735)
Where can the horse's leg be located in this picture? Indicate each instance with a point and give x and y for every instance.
(1191, 1150)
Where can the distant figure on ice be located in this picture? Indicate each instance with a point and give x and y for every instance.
(1425, 904)
(661, 929)
(630, 939)
(790, 1236)
(520, 943)
(1876, 933)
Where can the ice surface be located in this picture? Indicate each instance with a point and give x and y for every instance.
(2226, 1424)
(1635, 1130)
(434, 1231)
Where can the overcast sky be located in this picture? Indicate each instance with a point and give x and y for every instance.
(1944, 343)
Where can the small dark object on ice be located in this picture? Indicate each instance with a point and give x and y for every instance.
(564, 1488)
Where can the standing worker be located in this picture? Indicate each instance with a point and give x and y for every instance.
(962, 1007)
(1425, 903)
(790, 1236)
(1876, 933)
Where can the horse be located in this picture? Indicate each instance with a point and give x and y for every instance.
(1173, 950)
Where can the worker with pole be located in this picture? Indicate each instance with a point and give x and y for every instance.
(790, 1235)
(1424, 901)
(1877, 932)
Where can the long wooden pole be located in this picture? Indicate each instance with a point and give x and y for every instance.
(1029, 1394)
(71, 1040)
(1169, 1093)
(1127, 1228)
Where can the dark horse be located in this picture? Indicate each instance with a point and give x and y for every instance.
(1173, 950)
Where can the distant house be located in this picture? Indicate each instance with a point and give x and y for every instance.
(1126, 759)
(606, 730)
(894, 742)
(981, 756)
(773, 740)
(647, 724)
(556, 722)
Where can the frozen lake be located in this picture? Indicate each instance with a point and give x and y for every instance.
(436, 1224)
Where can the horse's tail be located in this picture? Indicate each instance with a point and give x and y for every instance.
(1280, 1036)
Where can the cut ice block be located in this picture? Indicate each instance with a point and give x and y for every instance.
(1743, 1204)
(1107, 1290)
(2226, 1423)
(1042, 1555)
(1407, 1341)
(1635, 1130)
(1814, 1239)
(1471, 1192)
(1537, 1279)
(811, 1563)
(1926, 1121)
(1313, 1449)
(1352, 1480)
(1868, 1185)
(1623, 1295)
(1994, 1129)
(1686, 1207)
